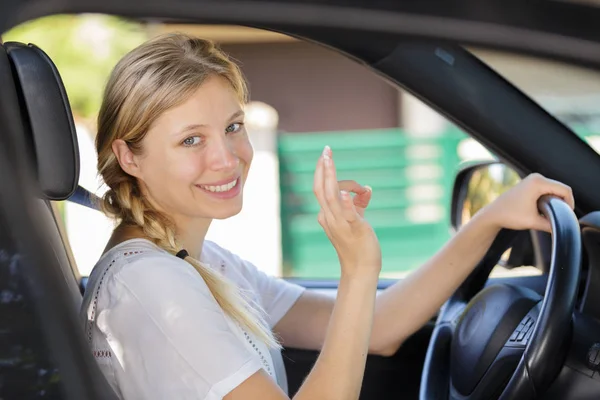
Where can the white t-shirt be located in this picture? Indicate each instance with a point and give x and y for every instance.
(158, 333)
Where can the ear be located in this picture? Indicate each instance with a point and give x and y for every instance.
(126, 158)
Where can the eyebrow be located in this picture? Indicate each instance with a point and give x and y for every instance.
(191, 127)
(239, 113)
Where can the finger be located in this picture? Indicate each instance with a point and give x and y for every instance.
(542, 224)
(319, 185)
(348, 209)
(561, 190)
(363, 193)
(566, 193)
(323, 222)
(331, 188)
(363, 200)
(352, 187)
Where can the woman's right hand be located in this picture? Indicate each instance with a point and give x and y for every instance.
(352, 236)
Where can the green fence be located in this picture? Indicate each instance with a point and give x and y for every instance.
(412, 183)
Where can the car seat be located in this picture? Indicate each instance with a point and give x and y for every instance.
(51, 145)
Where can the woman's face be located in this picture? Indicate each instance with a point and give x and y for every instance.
(196, 156)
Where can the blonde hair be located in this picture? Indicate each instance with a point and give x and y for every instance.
(148, 81)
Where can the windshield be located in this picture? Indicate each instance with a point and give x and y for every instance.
(570, 93)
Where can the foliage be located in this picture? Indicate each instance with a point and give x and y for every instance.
(84, 48)
(485, 185)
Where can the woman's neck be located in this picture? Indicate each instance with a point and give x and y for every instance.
(191, 235)
(123, 233)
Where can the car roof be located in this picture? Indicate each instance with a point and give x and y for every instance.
(558, 29)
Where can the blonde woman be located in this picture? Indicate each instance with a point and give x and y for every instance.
(170, 315)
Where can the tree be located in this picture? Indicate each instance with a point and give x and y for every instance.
(84, 48)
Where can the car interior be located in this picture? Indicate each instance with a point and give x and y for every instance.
(41, 116)
(559, 360)
(52, 144)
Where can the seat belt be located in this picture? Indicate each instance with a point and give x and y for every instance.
(83, 197)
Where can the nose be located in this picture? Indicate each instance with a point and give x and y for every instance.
(223, 156)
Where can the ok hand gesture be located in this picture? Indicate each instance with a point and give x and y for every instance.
(342, 218)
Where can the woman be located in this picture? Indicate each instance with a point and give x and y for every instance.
(170, 315)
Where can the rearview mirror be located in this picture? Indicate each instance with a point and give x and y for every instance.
(477, 186)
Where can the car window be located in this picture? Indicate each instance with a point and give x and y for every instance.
(321, 98)
(303, 97)
(570, 93)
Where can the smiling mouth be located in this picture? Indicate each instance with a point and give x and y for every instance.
(221, 188)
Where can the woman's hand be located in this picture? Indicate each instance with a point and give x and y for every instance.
(362, 195)
(342, 218)
(517, 208)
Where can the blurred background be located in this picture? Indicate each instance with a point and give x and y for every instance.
(304, 97)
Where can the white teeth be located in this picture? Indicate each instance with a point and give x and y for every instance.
(221, 188)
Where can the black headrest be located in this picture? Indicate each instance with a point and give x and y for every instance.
(48, 120)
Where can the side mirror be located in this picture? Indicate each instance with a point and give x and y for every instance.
(478, 185)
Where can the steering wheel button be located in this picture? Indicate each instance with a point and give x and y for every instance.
(594, 357)
(528, 336)
(529, 323)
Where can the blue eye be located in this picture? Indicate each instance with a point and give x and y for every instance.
(235, 127)
(192, 141)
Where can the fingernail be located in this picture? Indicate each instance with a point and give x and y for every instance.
(326, 152)
(344, 193)
(369, 188)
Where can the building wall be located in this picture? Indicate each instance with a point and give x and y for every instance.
(314, 89)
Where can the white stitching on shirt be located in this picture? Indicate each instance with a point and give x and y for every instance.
(92, 318)
(95, 303)
(260, 354)
(102, 353)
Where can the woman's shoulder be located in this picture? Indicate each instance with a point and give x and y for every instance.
(218, 256)
(227, 262)
(211, 251)
(127, 253)
(139, 263)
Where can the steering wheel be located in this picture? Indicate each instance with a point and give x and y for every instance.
(506, 342)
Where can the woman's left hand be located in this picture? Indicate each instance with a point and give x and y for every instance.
(517, 208)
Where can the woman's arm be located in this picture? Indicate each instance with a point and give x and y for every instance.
(402, 308)
(338, 372)
(405, 307)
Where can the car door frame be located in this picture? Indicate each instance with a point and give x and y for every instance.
(541, 39)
